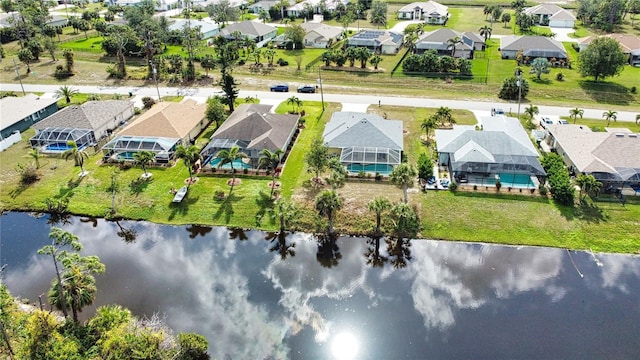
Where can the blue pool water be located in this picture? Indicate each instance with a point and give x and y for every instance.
(237, 164)
(127, 155)
(58, 147)
(516, 180)
(383, 169)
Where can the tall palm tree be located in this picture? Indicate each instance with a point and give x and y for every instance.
(76, 154)
(270, 160)
(294, 101)
(587, 183)
(610, 115)
(35, 154)
(189, 155)
(486, 32)
(285, 211)
(574, 113)
(429, 124)
(403, 176)
(79, 291)
(377, 59)
(229, 156)
(144, 158)
(378, 205)
(327, 203)
(66, 92)
(444, 114)
(531, 110)
(452, 43)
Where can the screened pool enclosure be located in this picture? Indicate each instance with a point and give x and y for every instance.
(370, 159)
(56, 140)
(122, 148)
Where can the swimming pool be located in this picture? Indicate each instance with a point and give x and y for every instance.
(382, 169)
(516, 181)
(127, 155)
(59, 147)
(237, 164)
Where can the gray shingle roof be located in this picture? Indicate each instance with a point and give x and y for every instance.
(90, 115)
(248, 28)
(347, 129)
(14, 109)
(528, 44)
(437, 40)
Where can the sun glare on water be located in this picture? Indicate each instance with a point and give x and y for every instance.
(344, 346)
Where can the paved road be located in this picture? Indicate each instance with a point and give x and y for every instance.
(273, 98)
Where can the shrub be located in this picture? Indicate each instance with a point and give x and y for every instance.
(361, 174)
(61, 72)
(560, 76)
(510, 91)
(498, 185)
(425, 166)
(542, 189)
(282, 62)
(148, 102)
(378, 176)
(28, 174)
(559, 181)
(137, 111)
(633, 90)
(453, 187)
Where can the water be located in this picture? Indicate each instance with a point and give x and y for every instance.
(452, 300)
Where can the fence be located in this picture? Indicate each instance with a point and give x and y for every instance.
(12, 139)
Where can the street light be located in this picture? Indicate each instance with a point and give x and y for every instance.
(155, 77)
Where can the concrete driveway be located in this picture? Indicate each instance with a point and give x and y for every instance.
(562, 34)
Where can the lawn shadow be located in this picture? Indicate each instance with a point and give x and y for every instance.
(264, 203)
(541, 81)
(226, 207)
(502, 195)
(606, 92)
(182, 208)
(590, 213)
(138, 185)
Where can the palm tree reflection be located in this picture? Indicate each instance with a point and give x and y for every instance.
(129, 235)
(280, 245)
(399, 250)
(328, 254)
(198, 230)
(373, 253)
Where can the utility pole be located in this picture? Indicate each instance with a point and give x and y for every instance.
(155, 77)
(519, 82)
(18, 76)
(321, 92)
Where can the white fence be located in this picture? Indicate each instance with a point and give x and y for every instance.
(7, 142)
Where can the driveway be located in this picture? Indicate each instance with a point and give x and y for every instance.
(562, 34)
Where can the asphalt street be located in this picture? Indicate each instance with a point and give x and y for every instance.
(478, 107)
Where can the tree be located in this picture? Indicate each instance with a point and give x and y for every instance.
(144, 158)
(505, 19)
(610, 115)
(531, 111)
(35, 154)
(351, 54)
(428, 124)
(68, 59)
(230, 89)
(189, 155)
(51, 46)
(602, 58)
(496, 12)
(270, 160)
(215, 111)
(444, 115)
(192, 347)
(229, 156)
(363, 55)
(452, 43)
(587, 184)
(403, 176)
(317, 157)
(294, 101)
(223, 11)
(379, 13)
(574, 113)
(76, 154)
(425, 166)
(406, 221)
(375, 60)
(84, 26)
(511, 91)
(327, 204)
(295, 33)
(264, 16)
(26, 56)
(485, 32)
(379, 205)
(66, 92)
(338, 173)
(208, 62)
(285, 211)
(539, 66)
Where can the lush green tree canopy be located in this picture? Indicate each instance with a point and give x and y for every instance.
(602, 58)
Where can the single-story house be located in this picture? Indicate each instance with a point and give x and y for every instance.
(431, 12)
(378, 41)
(207, 29)
(258, 32)
(265, 5)
(85, 124)
(499, 150)
(612, 157)
(630, 45)
(58, 21)
(532, 47)
(318, 35)
(438, 40)
(159, 130)
(164, 5)
(552, 15)
(364, 142)
(20, 113)
(252, 128)
(298, 9)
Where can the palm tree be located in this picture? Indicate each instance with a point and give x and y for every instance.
(229, 156)
(66, 92)
(531, 110)
(35, 154)
(574, 113)
(486, 32)
(587, 183)
(452, 43)
(429, 124)
(363, 55)
(144, 158)
(294, 101)
(444, 114)
(377, 59)
(270, 160)
(79, 291)
(610, 115)
(403, 176)
(379, 205)
(327, 203)
(76, 154)
(285, 210)
(189, 155)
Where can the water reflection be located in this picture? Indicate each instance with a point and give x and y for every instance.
(300, 296)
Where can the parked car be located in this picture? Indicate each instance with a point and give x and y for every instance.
(306, 89)
(545, 121)
(497, 111)
(562, 122)
(279, 87)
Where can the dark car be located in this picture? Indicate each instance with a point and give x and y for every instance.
(306, 89)
(279, 87)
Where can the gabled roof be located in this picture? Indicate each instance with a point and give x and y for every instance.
(429, 7)
(205, 27)
(563, 16)
(167, 120)
(533, 46)
(349, 129)
(329, 4)
(375, 38)
(628, 43)
(91, 115)
(257, 127)
(14, 109)
(438, 39)
(248, 27)
(546, 9)
(323, 30)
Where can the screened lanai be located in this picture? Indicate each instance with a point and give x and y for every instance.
(215, 145)
(56, 140)
(370, 159)
(124, 147)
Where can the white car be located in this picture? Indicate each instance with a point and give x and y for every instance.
(545, 121)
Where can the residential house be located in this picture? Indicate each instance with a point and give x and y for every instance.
(84, 124)
(317, 6)
(364, 142)
(159, 130)
(499, 150)
(438, 40)
(207, 30)
(378, 41)
(252, 128)
(630, 45)
(265, 5)
(552, 15)
(258, 32)
(612, 157)
(20, 113)
(431, 12)
(318, 35)
(532, 47)
(58, 21)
